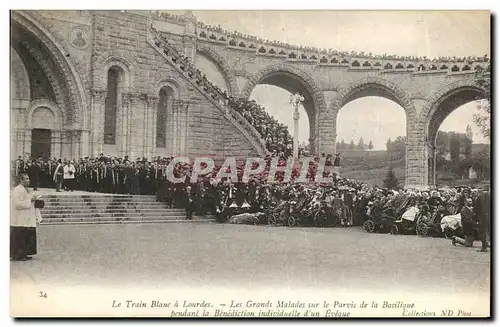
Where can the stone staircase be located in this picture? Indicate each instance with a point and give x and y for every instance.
(110, 209)
(189, 72)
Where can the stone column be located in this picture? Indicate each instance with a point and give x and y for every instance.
(296, 117)
(76, 141)
(182, 127)
(125, 126)
(19, 125)
(85, 143)
(151, 133)
(431, 150)
(25, 135)
(417, 153)
(189, 38)
(97, 121)
(56, 147)
(326, 132)
(175, 148)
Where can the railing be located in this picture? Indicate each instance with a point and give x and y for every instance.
(209, 90)
(294, 52)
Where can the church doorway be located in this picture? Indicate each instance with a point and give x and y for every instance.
(41, 140)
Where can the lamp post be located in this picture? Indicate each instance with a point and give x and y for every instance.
(296, 100)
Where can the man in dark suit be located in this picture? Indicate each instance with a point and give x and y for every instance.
(188, 203)
(482, 216)
(469, 224)
(33, 169)
(349, 201)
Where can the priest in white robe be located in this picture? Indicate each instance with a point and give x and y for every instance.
(23, 221)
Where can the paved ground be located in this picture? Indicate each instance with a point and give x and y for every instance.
(246, 256)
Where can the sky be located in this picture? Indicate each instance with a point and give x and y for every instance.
(418, 33)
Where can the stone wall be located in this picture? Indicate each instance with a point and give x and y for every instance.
(196, 126)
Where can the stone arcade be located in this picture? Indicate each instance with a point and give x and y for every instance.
(90, 82)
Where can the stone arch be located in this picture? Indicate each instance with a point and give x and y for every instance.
(223, 66)
(168, 83)
(242, 73)
(73, 92)
(19, 79)
(438, 107)
(387, 89)
(117, 58)
(454, 94)
(303, 77)
(61, 97)
(50, 105)
(316, 97)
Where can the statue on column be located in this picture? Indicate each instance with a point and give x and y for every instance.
(296, 100)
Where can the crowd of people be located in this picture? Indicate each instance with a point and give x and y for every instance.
(344, 202)
(235, 34)
(276, 136)
(278, 140)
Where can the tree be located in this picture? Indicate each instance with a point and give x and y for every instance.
(397, 149)
(468, 142)
(370, 146)
(351, 145)
(390, 181)
(343, 145)
(442, 142)
(454, 147)
(361, 144)
(468, 132)
(482, 119)
(388, 144)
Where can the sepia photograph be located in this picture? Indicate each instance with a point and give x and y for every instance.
(250, 163)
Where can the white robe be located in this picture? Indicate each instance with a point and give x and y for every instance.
(67, 170)
(22, 210)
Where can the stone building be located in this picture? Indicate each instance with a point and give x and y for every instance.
(91, 82)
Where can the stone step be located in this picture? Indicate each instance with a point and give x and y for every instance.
(84, 215)
(103, 200)
(93, 196)
(88, 209)
(113, 218)
(104, 205)
(152, 221)
(98, 195)
(101, 203)
(134, 218)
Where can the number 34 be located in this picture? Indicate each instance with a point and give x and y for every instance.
(42, 294)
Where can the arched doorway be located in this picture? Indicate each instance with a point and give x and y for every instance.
(44, 125)
(49, 78)
(292, 80)
(452, 98)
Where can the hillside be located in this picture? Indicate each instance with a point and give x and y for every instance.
(371, 167)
